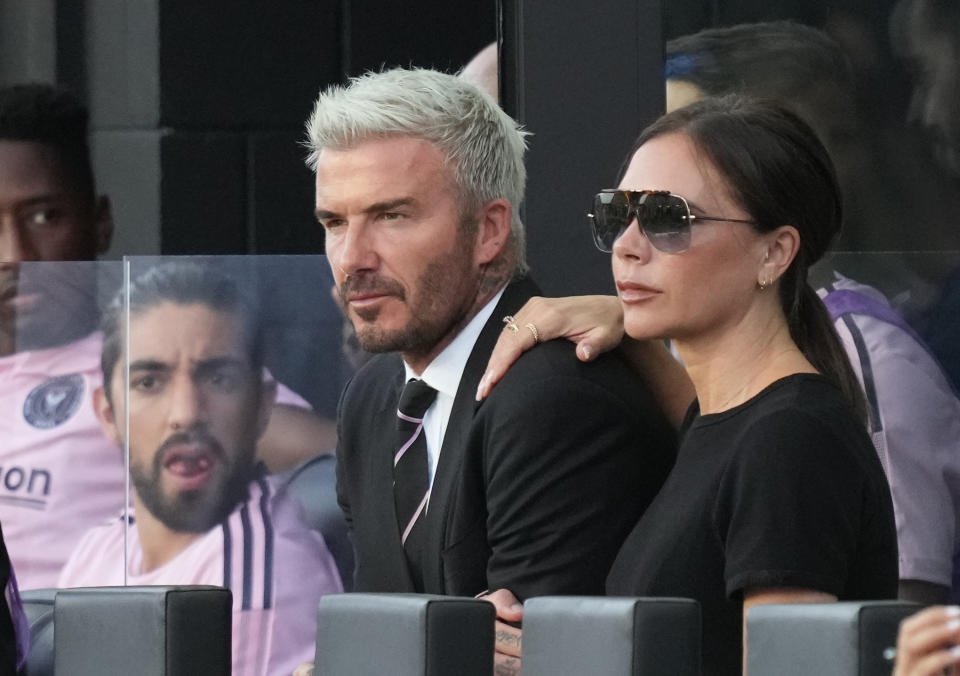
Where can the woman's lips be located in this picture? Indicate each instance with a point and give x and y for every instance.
(634, 292)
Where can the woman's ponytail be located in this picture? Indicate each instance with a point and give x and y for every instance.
(812, 330)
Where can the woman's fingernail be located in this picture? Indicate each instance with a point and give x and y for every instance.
(482, 387)
(586, 351)
(952, 611)
(516, 607)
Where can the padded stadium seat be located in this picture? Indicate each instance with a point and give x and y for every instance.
(404, 635)
(314, 486)
(610, 636)
(38, 605)
(827, 639)
(148, 631)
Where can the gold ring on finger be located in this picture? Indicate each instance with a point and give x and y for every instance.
(533, 330)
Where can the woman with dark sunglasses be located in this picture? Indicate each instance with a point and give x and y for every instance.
(777, 495)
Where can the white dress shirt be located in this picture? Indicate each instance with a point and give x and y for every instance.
(443, 374)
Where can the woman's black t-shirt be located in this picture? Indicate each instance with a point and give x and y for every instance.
(784, 490)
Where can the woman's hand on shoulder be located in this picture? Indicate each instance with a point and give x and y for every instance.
(594, 323)
(929, 643)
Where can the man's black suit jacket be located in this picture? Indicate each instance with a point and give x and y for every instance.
(536, 486)
(8, 635)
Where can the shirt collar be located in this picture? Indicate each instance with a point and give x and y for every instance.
(444, 372)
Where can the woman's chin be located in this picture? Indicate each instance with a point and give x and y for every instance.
(639, 330)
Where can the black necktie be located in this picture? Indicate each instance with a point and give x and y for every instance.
(411, 481)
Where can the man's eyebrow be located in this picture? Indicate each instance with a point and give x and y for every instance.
(389, 204)
(214, 363)
(148, 365)
(376, 207)
(321, 214)
(41, 199)
(210, 364)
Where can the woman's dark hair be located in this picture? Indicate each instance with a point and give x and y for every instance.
(779, 172)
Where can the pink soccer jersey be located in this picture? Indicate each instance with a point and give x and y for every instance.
(59, 475)
(276, 567)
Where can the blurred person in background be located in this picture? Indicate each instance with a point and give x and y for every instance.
(926, 34)
(205, 512)
(58, 474)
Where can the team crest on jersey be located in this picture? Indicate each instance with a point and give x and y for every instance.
(53, 401)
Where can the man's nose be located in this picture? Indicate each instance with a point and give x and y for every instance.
(186, 404)
(355, 252)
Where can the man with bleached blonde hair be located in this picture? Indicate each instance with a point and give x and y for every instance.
(418, 177)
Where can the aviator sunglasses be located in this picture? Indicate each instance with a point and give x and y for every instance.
(664, 218)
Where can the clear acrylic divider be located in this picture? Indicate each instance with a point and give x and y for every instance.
(223, 376)
(60, 475)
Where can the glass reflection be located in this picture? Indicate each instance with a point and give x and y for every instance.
(231, 477)
(59, 475)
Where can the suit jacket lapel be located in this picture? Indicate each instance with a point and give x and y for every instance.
(454, 441)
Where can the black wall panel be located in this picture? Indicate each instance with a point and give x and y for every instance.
(246, 63)
(203, 193)
(281, 195)
(584, 84)
(428, 33)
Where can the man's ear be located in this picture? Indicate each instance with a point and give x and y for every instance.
(268, 399)
(103, 224)
(782, 246)
(493, 230)
(105, 415)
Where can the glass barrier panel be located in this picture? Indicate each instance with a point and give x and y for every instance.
(61, 475)
(233, 367)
